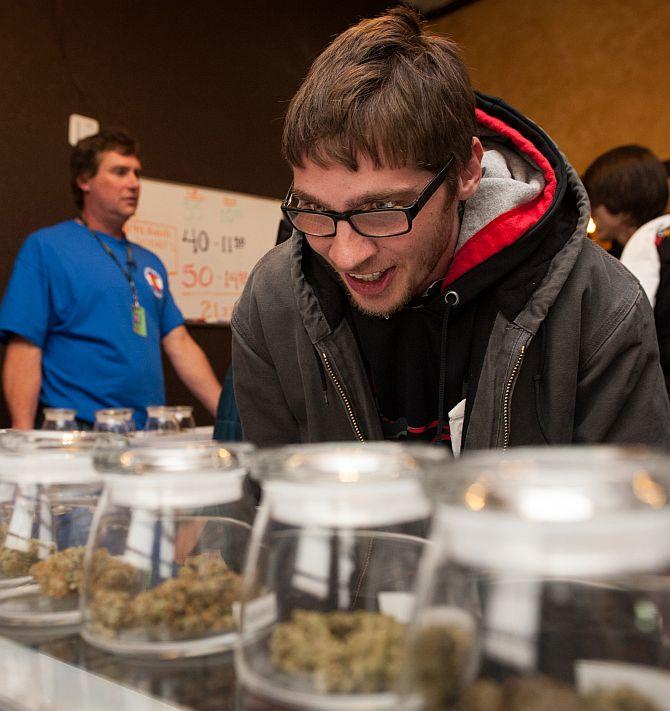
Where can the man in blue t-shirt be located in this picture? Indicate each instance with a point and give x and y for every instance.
(85, 312)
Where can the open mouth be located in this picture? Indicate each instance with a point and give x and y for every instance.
(370, 284)
(374, 276)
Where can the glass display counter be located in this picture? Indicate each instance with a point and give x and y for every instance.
(65, 672)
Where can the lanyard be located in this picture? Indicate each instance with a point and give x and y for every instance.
(130, 262)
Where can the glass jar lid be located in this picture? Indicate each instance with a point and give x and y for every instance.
(342, 484)
(48, 466)
(162, 471)
(349, 463)
(167, 455)
(556, 511)
(22, 441)
(59, 413)
(112, 415)
(183, 410)
(47, 457)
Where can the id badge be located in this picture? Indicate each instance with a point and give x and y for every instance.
(139, 320)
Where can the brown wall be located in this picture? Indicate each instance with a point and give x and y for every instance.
(593, 73)
(203, 84)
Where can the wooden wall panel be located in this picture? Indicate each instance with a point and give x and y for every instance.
(593, 73)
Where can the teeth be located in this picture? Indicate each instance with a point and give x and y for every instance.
(367, 277)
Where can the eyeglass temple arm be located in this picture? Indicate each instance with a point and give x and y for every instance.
(431, 188)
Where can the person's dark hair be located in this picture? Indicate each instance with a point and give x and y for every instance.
(85, 157)
(388, 90)
(628, 179)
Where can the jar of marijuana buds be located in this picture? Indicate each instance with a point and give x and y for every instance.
(547, 579)
(49, 490)
(330, 574)
(163, 571)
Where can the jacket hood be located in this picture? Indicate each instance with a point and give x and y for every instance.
(529, 207)
(523, 178)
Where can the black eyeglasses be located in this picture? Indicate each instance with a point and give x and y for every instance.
(382, 222)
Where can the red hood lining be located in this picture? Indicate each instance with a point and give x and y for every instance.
(509, 226)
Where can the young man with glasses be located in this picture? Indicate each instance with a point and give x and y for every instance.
(438, 284)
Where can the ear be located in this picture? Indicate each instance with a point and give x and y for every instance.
(83, 182)
(471, 173)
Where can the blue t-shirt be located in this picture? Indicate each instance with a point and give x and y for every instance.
(68, 296)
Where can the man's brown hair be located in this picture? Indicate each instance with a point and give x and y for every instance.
(628, 179)
(388, 90)
(85, 157)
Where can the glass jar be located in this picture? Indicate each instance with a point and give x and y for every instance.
(161, 418)
(13, 571)
(548, 580)
(60, 419)
(184, 417)
(330, 573)
(48, 491)
(163, 571)
(114, 419)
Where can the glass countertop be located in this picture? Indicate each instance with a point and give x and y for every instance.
(53, 672)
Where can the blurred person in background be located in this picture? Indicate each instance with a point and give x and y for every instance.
(628, 189)
(439, 284)
(86, 311)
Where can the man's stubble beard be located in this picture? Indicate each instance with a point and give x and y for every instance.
(428, 257)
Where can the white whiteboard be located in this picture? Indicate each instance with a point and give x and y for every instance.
(208, 241)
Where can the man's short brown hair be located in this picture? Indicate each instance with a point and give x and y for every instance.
(85, 157)
(628, 179)
(387, 90)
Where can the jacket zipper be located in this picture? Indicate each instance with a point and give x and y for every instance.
(345, 399)
(508, 396)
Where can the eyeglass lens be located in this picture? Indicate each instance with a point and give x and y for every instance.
(374, 224)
